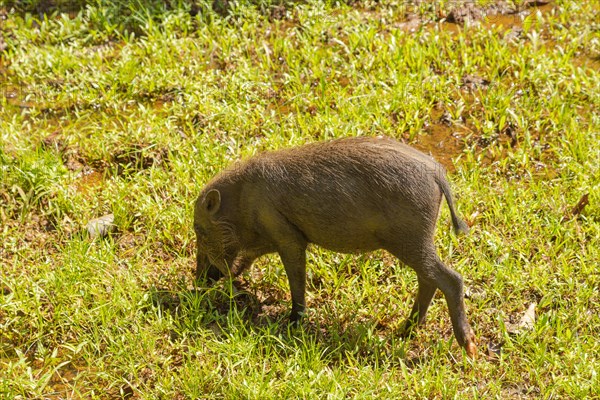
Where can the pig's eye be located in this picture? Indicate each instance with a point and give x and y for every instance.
(199, 230)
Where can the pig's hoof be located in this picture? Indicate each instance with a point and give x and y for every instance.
(295, 317)
(471, 350)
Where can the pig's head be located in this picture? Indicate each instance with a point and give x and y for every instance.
(215, 237)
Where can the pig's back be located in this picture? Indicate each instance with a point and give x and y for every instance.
(348, 193)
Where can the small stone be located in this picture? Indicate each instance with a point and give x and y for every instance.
(101, 227)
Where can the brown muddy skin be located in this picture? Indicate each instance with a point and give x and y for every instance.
(347, 195)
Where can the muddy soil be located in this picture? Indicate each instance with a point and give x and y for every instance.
(470, 12)
(442, 138)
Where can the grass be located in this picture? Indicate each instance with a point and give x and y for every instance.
(128, 108)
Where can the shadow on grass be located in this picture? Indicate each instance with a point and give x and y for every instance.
(240, 314)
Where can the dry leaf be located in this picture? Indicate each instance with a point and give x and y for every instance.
(527, 321)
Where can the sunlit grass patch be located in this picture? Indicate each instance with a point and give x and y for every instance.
(128, 109)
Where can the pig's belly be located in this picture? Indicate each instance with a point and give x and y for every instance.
(347, 236)
(366, 224)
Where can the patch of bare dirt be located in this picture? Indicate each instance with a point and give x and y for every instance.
(128, 159)
(36, 233)
(466, 13)
(411, 24)
(470, 12)
(278, 12)
(128, 243)
(263, 302)
(442, 142)
(473, 82)
(138, 157)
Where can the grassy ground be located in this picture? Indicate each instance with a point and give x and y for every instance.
(118, 108)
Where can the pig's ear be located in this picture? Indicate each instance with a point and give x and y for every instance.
(212, 201)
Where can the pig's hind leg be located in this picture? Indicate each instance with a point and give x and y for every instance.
(451, 284)
(418, 313)
(432, 273)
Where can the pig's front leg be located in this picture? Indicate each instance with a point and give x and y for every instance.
(241, 263)
(291, 245)
(294, 262)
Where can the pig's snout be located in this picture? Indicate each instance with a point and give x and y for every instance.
(213, 274)
(205, 270)
(210, 273)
